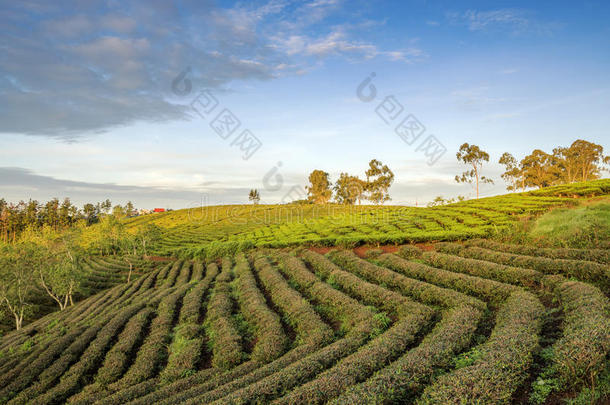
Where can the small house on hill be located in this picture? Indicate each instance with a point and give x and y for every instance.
(159, 210)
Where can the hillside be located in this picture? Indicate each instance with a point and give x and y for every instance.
(459, 323)
(267, 318)
(217, 230)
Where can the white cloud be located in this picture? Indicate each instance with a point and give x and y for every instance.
(515, 21)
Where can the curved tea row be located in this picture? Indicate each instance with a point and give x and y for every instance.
(464, 323)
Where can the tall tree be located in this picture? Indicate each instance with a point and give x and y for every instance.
(64, 213)
(51, 213)
(540, 169)
(118, 211)
(379, 179)
(148, 236)
(349, 189)
(319, 191)
(129, 208)
(514, 172)
(59, 274)
(588, 159)
(254, 196)
(473, 156)
(106, 206)
(91, 213)
(17, 279)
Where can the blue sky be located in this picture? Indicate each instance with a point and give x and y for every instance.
(87, 108)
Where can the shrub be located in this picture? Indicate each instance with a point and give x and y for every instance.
(489, 290)
(505, 360)
(187, 344)
(409, 252)
(582, 270)
(581, 353)
(358, 366)
(269, 335)
(224, 337)
(299, 314)
(424, 292)
(481, 268)
(594, 255)
(405, 377)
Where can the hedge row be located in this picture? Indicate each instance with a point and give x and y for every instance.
(290, 375)
(268, 332)
(198, 271)
(52, 372)
(151, 392)
(594, 255)
(372, 294)
(311, 334)
(210, 251)
(339, 306)
(300, 369)
(581, 353)
(480, 268)
(404, 378)
(185, 273)
(30, 368)
(364, 362)
(173, 274)
(409, 252)
(298, 312)
(116, 360)
(580, 269)
(186, 348)
(485, 289)
(79, 373)
(153, 352)
(421, 291)
(163, 273)
(505, 358)
(223, 335)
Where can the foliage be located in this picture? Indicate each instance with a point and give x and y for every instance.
(472, 156)
(513, 174)
(213, 232)
(379, 178)
(349, 189)
(254, 196)
(584, 227)
(318, 190)
(17, 279)
(299, 327)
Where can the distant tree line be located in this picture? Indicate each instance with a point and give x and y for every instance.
(581, 161)
(350, 189)
(16, 218)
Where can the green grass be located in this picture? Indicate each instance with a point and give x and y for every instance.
(582, 227)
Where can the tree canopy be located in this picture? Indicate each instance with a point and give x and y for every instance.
(379, 178)
(318, 190)
(473, 156)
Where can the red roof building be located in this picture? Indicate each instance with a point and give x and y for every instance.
(159, 210)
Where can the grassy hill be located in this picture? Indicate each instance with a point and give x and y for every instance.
(463, 323)
(266, 318)
(218, 230)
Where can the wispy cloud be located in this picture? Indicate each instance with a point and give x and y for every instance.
(512, 20)
(508, 71)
